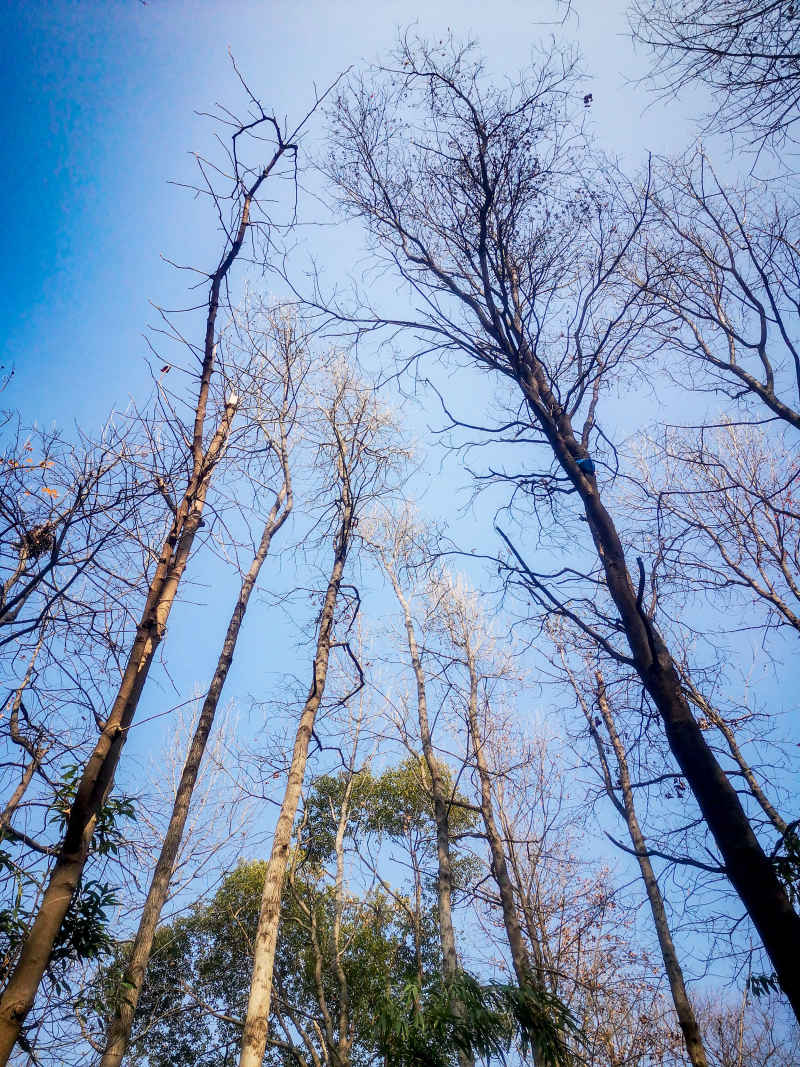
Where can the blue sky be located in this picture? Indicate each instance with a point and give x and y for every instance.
(101, 103)
(99, 112)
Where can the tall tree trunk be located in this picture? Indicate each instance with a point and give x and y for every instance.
(441, 808)
(534, 925)
(254, 1036)
(491, 290)
(119, 1030)
(335, 1033)
(516, 943)
(97, 779)
(747, 866)
(627, 808)
(417, 913)
(344, 1023)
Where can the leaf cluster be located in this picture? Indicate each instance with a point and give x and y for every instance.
(394, 803)
(109, 835)
(418, 1029)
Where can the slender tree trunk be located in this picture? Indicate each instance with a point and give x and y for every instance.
(749, 869)
(327, 1031)
(98, 775)
(516, 943)
(119, 1030)
(740, 1027)
(344, 1035)
(714, 716)
(417, 923)
(254, 1037)
(680, 998)
(441, 813)
(535, 929)
(468, 272)
(297, 1023)
(337, 1038)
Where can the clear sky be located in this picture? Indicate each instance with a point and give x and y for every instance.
(99, 103)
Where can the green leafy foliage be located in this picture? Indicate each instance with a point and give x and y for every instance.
(195, 994)
(13, 919)
(418, 1029)
(786, 857)
(108, 834)
(391, 804)
(205, 961)
(84, 935)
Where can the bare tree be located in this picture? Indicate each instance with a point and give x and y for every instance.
(748, 55)
(518, 271)
(358, 458)
(398, 549)
(573, 914)
(35, 748)
(205, 442)
(467, 632)
(748, 1034)
(74, 515)
(275, 383)
(721, 264)
(713, 716)
(77, 513)
(619, 790)
(722, 501)
(64, 509)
